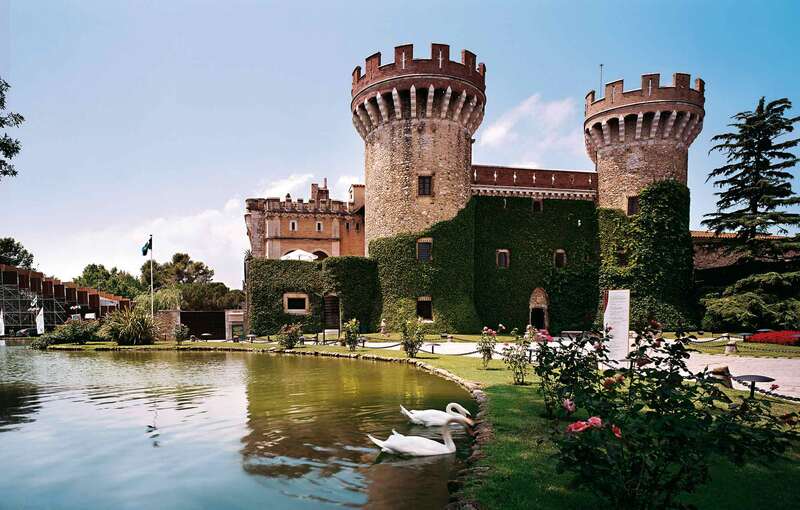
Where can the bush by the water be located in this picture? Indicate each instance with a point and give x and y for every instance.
(130, 326)
(769, 300)
(776, 337)
(647, 433)
(181, 333)
(71, 332)
(352, 329)
(412, 337)
(289, 335)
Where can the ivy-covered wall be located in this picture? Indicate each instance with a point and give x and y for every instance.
(448, 278)
(355, 281)
(651, 253)
(503, 295)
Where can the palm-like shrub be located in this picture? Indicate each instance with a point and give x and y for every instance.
(131, 326)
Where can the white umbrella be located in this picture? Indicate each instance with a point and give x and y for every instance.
(299, 255)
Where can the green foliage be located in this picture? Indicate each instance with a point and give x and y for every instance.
(351, 329)
(13, 253)
(355, 281)
(180, 269)
(650, 253)
(9, 147)
(114, 281)
(71, 332)
(485, 345)
(651, 436)
(268, 280)
(289, 335)
(515, 357)
(756, 180)
(448, 278)
(130, 326)
(209, 296)
(181, 333)
(412, 337)
(166, 298)
(769, 300)
(503, 295)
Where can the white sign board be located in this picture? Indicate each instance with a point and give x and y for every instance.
(617, 317)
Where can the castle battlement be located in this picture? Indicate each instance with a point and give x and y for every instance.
(651, 91)
(289, 205)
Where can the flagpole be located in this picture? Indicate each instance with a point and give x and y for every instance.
(152, 302)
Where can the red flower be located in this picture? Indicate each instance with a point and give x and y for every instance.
(598, 346)
(569, 406)
(774, 387)
(578, 426)
(595, 421)
(608, 383)
(617, 432)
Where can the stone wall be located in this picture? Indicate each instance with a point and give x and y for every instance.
(396, 154)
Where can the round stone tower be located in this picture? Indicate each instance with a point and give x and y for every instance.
(416, 117)
(641, 136)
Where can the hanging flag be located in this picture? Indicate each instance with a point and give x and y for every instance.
(2, 324)
(40, 322)
(148, 246)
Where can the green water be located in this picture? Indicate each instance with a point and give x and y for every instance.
(205, 430)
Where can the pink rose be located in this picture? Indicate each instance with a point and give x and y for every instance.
(598, 346)
(578, 426)
(608, 383)
(774, 387)
(595, 421)
(569, 406)
(617, 432)
(619, 378)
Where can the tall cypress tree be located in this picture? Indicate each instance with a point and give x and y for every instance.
(756, 182)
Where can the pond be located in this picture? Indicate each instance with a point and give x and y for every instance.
(190, 430)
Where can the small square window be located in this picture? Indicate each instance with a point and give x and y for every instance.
(633, 205)
(538, 206)
(425, 308)
(425, 185)
(502, 259)
(347, 226)
(560, 258)
(425, 250)
(292, 226)
(357, 227)
(295, 303)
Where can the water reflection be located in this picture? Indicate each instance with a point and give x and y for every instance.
(18, 403)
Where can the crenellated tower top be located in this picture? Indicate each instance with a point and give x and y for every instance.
(419, 88)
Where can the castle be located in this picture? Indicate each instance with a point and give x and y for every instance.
(462, 245)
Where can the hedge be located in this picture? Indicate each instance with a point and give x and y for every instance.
(355, 281)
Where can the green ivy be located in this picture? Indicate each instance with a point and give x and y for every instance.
(355, 281)
(658, 247)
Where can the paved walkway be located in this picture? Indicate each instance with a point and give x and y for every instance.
(785, 371)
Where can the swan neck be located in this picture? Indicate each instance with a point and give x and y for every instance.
(448, 438)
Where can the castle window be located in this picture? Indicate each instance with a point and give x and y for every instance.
(560, 258)
(319, 226)
(347, 226)
(293, 226)
(425, 308)
(425, 249)
(622, 258)
(357, 226)
(633, 205)
(295, 303)
(425, 185)
(538, 206)
(502, 258)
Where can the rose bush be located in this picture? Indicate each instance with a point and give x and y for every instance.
(486, 344)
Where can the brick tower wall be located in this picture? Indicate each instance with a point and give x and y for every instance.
(416, 117)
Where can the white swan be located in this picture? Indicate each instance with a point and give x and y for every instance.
(417, 446)
(434, 417)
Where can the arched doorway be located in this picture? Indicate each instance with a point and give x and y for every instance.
(537, 315)
(321, 254)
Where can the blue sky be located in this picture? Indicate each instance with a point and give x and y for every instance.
(162, 117)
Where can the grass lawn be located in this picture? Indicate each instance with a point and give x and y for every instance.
(519, 462)
(751, 349)
(395, 337)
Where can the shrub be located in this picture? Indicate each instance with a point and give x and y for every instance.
(486, 344)
(413, 336)
(130, 326)
(352, 329)
(289, 335)
(776, 337)
(71, 332)
(515, 357)
(651, 434)
(181, 333)
(767, 300)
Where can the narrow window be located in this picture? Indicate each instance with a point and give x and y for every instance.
(347, 226)
(502, 259)
(622, 258)
(295, 303)
(560, 258)
(425, 185)
(538, 206)
(293, 226)
(425, 249)
(425, 308)
(319, 226)
(633, 205)
(357, 226)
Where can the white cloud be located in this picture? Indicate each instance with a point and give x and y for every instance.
(534, 133)
(341, 188)
(295, 184)
(218, 237)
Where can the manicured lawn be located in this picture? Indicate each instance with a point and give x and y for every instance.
(518, 470)
(395, 337)
(751, 349)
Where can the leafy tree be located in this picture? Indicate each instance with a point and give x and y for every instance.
(209, 296)
(181, 269)
(114, 281)
(12, 252)
(166, 298)
(9, 147)
(755, 181)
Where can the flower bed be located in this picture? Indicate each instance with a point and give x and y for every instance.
(789, 337)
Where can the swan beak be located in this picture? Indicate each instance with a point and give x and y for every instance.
(469, 422)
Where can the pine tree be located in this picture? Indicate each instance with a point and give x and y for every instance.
(756, 182)
(9, 147)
